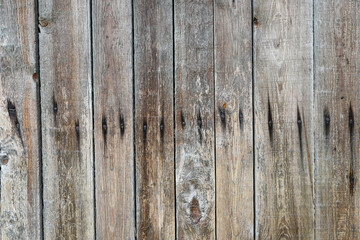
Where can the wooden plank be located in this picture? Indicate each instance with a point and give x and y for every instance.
(337, 192)
(154, 129)
(283, 119)
(233, 120)
(66, 112)
(113, 119)
(20, 206)
(194, 114)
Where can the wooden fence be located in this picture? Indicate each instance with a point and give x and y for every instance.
(184, 119)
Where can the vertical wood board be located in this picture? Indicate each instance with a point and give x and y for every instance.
(113, 119)
(233, 120)
(20, 204)
(66, 112)
(337, 35)
(283, 119)
(194, 119)
(154, 123)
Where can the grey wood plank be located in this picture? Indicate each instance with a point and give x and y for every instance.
(234, 120)
(113, 119)
(154, 129)
(194, 119)
(20, 205)
(66, 110)
(337, 34)
(283, 36)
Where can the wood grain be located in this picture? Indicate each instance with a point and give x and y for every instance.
(174, 119)
(194, 119)
(337, 34)
(66, 111)
(283, 119)
(154, 129)
(233, 120)
(20, 205)
(113, 119)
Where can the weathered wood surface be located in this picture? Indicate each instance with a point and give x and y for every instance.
(233, 120)
(154, 119)
(113, 119)
(337, 34)
(19, 123)
(187, 119)
(194, 119)
(283, 119)
(66, 114)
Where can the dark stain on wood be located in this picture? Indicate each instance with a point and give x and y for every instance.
(326, 122)
(299, 124)
(351, 181)
(241, 119)
(55, 106)
(146, 225)
(34, 76)
(183, 123)
(195, 213)
(222, 117)
(351, 171)
(270, 122)
(199, 123)
(104, 128)
(77, 131)
(121, 124)
(14, 118)
(162, 126)
(144, 129)
(351, 122)
(256, 22)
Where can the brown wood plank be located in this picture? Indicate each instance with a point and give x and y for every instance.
(283, 119)
(154, 129)
(233, 120)
(113, 119)
(19, 123)
(66, 112)
(194, 114)
(337, 189)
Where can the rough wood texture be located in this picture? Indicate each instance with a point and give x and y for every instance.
(192, 174)
(66, 119)
(113, 119)
(337, 34)
(19, 124)
(154, 129)
(283, 119)
(194, 118)
(233, 120)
